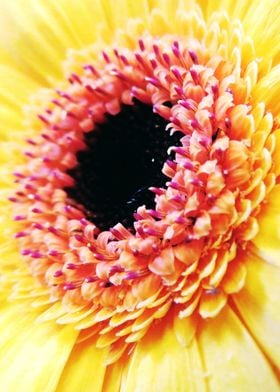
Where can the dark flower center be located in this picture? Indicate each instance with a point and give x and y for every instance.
(125, 156)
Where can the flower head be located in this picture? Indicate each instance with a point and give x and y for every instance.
(144, 200)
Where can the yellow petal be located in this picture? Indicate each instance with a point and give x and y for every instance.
(258, 303)
(118, 16)
(267, 90)
(113, 376)
(15, 89)
(263, 26)
(232, 359)
(185, 329)
(212, 301)
(235, 277)
(275, 155)
(84, 370)
(258, 20)
(268, 237)
(37, 34)
(161, 363)
(15, 86)
(34, 355)
(7, 316)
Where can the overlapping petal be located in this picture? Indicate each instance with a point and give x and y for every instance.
(36, 37)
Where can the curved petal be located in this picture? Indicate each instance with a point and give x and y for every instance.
(15, 88)
(28, 352)
(268, 237)
(267, 90)
(35, 39)
(37, 34)
(232, 358)
(258, 304)
(84, 369)
(114, 376)
(260, 20)
(161, 363)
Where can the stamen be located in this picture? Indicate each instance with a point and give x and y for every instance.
(157, 160)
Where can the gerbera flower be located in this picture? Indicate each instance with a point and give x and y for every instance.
(140, 187)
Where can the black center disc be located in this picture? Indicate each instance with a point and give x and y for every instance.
(125, 156)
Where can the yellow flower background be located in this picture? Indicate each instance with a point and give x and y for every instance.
(41, 42)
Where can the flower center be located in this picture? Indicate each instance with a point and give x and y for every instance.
(97, 156)
(124, 157)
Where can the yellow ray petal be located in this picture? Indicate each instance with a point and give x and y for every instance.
(84, 370)
(37, 35)
(34, 355)
(185, 329)
(10, 312)
(118, 16)
(161, 363)
(15, 88)
(260, 20)
(114, 376)
(232, 359)
(275, 155)
(231, 6)
(268, 237)
(11, 120)
(212, 303)
(168, 8)
(267, 90)
(258, 303)
(27, 46)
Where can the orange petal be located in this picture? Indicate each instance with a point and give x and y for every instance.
(235, 277)
(211, 303)
(164, 263)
